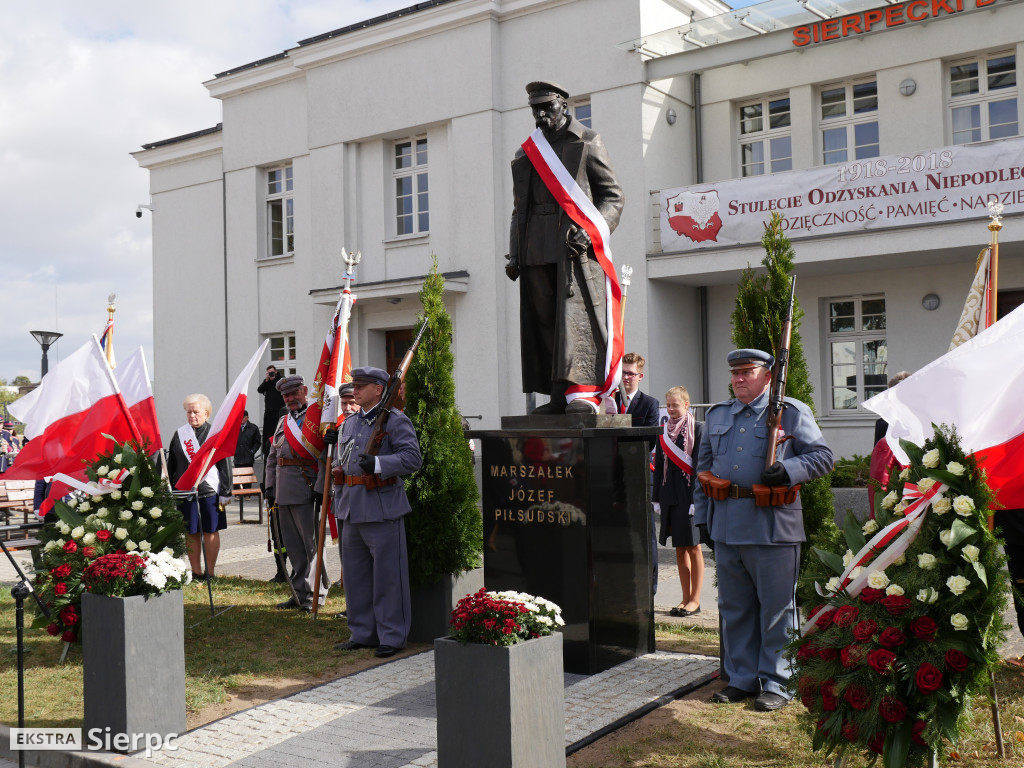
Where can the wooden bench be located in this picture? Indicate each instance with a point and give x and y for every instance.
(241, 477)
(17, 497)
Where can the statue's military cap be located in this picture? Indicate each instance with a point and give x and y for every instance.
(541, 91)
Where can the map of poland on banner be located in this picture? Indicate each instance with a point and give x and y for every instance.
(695, 215)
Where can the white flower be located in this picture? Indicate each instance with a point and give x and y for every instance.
(942, 505)
(144, 546)
(51, 545)
(945, 537)
(64, 528)
(72, 502)
(147, 492)
(856, 572)
(870, 527)
(121, 534)
(894, 589)
(166, 551)
(97, 499)
(125, 515)
(113, 472)
(130, 545)
(102, 470)
(959, 621)
(878, 580)
(102, 514)
(154, 577)
(89, 539)
(927, 561)
(957, 584)
(833, 584)
(86, 506)
(925, 484)
(115, 495)
(956, 468)
(901, 559)
(970, 553)
(137, 505)
(117, 458)
(963, 505)
(155, 512)
(78, 532)
(848, 558)
(898, 509)
(905, 474)
(890, 500)
(928, 595)
(931, 459)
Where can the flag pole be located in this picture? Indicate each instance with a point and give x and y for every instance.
(108, 332)
(330, 390)
(136, 434)
(995, 212)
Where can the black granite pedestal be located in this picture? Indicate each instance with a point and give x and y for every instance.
(566, 505)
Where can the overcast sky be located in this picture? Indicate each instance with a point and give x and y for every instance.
(82, 84)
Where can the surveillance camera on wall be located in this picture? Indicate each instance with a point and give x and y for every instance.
(138, 211)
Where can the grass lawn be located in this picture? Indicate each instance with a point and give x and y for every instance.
(253, 653)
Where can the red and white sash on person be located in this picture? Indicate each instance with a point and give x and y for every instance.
(293, 434)
(674, 453)
(190, 446)
(584, 213)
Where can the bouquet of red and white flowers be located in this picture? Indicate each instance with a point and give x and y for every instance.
(503, 618)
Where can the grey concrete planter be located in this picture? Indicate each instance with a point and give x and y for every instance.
(133, 658)
(432, 606)
(500, 706)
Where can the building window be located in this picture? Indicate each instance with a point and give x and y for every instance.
(983, 98)
(849, 122)
(765, 142)
(280, 212)
(858, 354)
(412, 201)
(282, 353)
(581, 110)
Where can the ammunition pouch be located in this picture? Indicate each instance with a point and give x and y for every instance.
(714, 488)
(774, 495)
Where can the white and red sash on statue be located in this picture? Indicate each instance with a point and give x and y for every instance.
(190, 446)
(293, 434)
(890, 542)
(674, 453)
(574, 201)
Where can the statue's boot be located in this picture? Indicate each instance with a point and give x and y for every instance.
(557, 404)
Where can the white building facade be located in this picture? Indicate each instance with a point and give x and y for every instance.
(394, 138)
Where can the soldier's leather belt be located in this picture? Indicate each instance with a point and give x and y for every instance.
(370, 481)
(738, 492)
(282, 462)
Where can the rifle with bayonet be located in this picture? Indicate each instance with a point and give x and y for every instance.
(391, 392)
(771, 493)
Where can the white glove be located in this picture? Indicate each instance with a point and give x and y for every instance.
(657, 507)
(692, 510)
(225, 500)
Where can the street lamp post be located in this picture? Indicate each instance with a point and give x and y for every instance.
(45, 339)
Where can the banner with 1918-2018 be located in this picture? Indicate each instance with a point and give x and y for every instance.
(933, 186)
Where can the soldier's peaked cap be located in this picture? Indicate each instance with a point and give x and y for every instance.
(371, 375)
(346, 389)
(289, 383)
(541, 91)
(740, 358)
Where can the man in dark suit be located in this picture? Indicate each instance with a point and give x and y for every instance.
(644, 409)
(563, 333)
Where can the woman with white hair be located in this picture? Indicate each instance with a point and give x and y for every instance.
(204, 517)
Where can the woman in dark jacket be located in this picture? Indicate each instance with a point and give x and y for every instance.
(674, 462)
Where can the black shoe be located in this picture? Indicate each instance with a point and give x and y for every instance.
(769, 702)
(287, 604)
(351, 645)
(341, 615)
(385, 651)
(306, 609)
(731, 695)
(676, 611)
(694, 612)
(279, 579)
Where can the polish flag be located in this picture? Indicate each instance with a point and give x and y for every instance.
(223, 437)
(133, 378)
(68, 415)
(975, 387)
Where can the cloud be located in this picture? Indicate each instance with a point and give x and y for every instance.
(81, 86)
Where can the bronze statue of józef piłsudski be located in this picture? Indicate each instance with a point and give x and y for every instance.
(563, 311)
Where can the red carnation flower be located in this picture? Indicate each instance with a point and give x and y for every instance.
(850, 730)
(892, 637)
(829, 702)
(808, 700)
(52, 629)
(806, 652)
(69, 636)
(857, 697)
(825, 619)
(60, 588)
(864, 630)
(892, 709)
(923, 628)
(104, 535)
(877, 742)
(828, 654)
(68, 615)
(62, 571)
(852, 655)
(956, 661)
(871, 595)
(916, 731)
(88, 551)
(70, 547)
(928, 678)
(882, 661)
(896, 605)
(845, 616)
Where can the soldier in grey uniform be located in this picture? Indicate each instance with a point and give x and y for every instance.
(371, 503)
(293, 479)
(757, 549)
